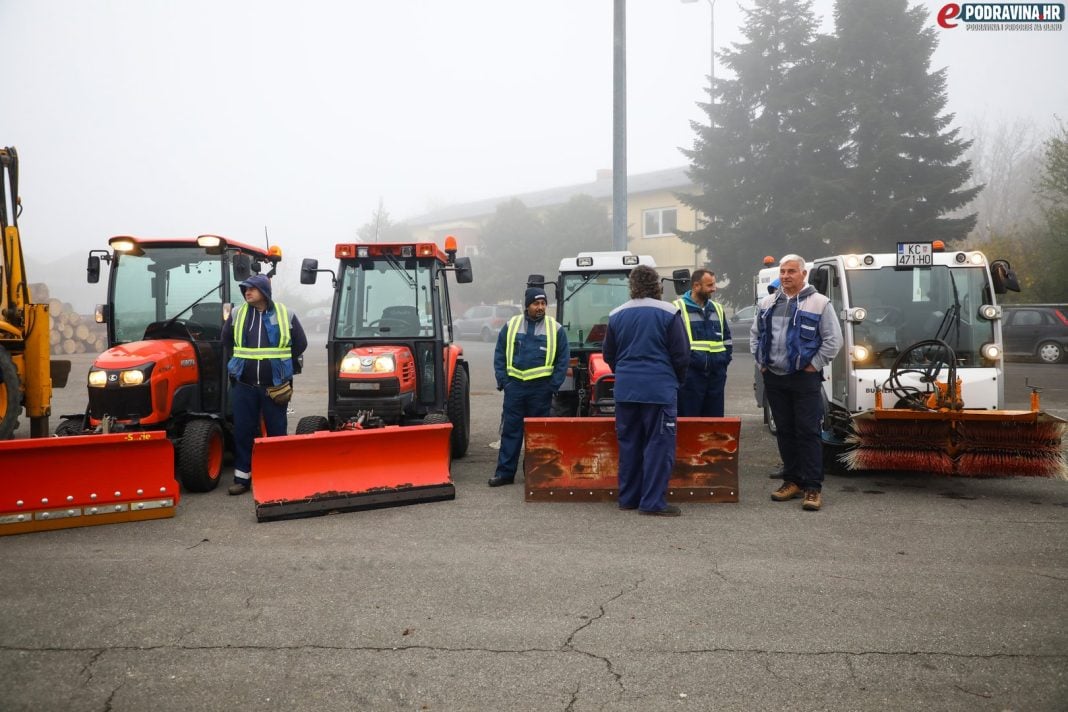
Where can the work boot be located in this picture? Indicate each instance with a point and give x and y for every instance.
(238, 488)
(813, 500)
(788, 490)
(669, 511)
(497, 481)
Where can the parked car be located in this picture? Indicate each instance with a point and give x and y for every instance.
(1035, 331)
(484, 321)
(742, 320)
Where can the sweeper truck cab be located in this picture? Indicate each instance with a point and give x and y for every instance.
(919, 382)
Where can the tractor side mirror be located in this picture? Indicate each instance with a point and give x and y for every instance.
(309, 270)
(1004, 277)
(681, 279)
(92, 270)
(464, 275)
(538, 280)
(242, 265)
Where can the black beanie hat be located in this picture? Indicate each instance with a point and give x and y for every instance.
(533, 293)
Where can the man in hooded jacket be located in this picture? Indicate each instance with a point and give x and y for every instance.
(265, 341)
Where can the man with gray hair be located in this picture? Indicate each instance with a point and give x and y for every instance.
(795, 335)
(646, 346)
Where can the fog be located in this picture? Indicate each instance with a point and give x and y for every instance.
(157, 118)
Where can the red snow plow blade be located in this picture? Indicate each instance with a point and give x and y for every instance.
(85, 480)
(577, 460)
(349, 470)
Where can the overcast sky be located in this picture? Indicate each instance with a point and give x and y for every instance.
(164, 118)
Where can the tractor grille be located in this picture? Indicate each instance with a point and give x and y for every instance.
(128, 403)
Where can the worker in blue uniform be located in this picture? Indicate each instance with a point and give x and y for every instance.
(711, 348)
(646, 346)
(530, 363)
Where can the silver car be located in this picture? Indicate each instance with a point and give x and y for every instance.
(484, 321)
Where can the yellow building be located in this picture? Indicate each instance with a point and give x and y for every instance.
(654, 213)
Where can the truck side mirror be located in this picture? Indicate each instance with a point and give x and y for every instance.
(535, 280)
(464, 275)
(309, 270)
(681, 280)
(242, 265)
(818, 279)
(92, 270)
(1004, 277)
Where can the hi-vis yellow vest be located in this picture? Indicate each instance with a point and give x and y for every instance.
(712, 347)
(259, 353)
(530, 374)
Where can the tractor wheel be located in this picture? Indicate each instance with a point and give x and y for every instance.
(459, 409)
(70, 426)
(10, 401)
(312, 424)
(564, 405)
(435, 419)
(200, 455)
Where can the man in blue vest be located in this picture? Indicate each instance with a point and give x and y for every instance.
(530, 363)
(796, 333)
(646, 346)
(265, 340)
(709, 334)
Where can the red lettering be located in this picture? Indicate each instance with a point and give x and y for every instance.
(947, 13)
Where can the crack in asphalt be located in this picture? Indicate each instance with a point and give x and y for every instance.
(87, 669)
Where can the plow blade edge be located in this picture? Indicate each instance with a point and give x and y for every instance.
(85, 480)
(577, 460)
(326, 472)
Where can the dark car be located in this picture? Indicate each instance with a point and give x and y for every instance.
(484, 321)
(1035, 331)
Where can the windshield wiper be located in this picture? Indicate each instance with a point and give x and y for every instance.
(198, 301)
(582, 286)
(396, 265)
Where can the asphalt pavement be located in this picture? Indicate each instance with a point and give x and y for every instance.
(904, 592)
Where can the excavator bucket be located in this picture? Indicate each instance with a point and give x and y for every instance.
(577, 460)
(965, 443)
(348, 470)
(84, 480)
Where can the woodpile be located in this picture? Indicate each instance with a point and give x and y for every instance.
(71, 333)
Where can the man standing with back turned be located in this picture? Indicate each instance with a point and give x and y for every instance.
(796, 334)
(701, 396)
(646, 346)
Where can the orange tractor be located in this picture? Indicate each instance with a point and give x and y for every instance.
(165, 370)
(398, 405)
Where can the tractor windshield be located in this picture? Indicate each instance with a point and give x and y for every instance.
(161, 283)
(586, 301)
(388, 298)
(906, 306)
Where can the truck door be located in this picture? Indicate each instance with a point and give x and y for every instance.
(828, 281)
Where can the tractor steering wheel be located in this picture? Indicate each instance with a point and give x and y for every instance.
(388, 323)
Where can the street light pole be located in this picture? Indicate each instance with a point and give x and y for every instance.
(619, 127)
(712, 35)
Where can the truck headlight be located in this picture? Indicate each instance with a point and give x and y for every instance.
(990, 311)
(98, 379)
(861, 353)
(991, 352)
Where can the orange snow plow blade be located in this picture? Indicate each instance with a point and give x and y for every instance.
(85, 480)
(348, 470)
(577, 460)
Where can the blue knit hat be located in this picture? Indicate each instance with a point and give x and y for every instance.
(532, 295)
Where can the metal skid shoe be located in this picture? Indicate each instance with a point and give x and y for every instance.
(85, 480)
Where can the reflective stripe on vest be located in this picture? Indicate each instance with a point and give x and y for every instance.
(259, 353)
(530, 374)
(712, 347)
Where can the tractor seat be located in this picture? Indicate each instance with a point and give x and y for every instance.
(208, 317)
(408, 315)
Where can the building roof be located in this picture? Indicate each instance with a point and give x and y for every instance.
(667, 179)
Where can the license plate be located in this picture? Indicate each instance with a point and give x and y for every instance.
(914, 254)
(364, 386)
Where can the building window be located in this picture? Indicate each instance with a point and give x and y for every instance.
(659, 222)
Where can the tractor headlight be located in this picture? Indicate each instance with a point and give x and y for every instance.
(991, 352)
(98, 379)
(132, 378)
(861, 353)
(384, 364)
(350, 364)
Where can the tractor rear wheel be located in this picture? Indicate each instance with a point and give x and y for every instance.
(200, 455)
(312, 424)
(9, 395)
(459, 409)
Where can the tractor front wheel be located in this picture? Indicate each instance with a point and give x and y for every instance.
(312, 424)
(459, 409)
(200, 455)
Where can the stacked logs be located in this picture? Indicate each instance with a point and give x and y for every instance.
(71, 332)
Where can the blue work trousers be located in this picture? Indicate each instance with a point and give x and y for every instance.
(701, 396)
(250, 404)
(522, 399)
(646, 435)
(796, 403)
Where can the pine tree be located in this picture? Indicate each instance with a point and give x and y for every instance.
(769, 156)
(905, 166)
